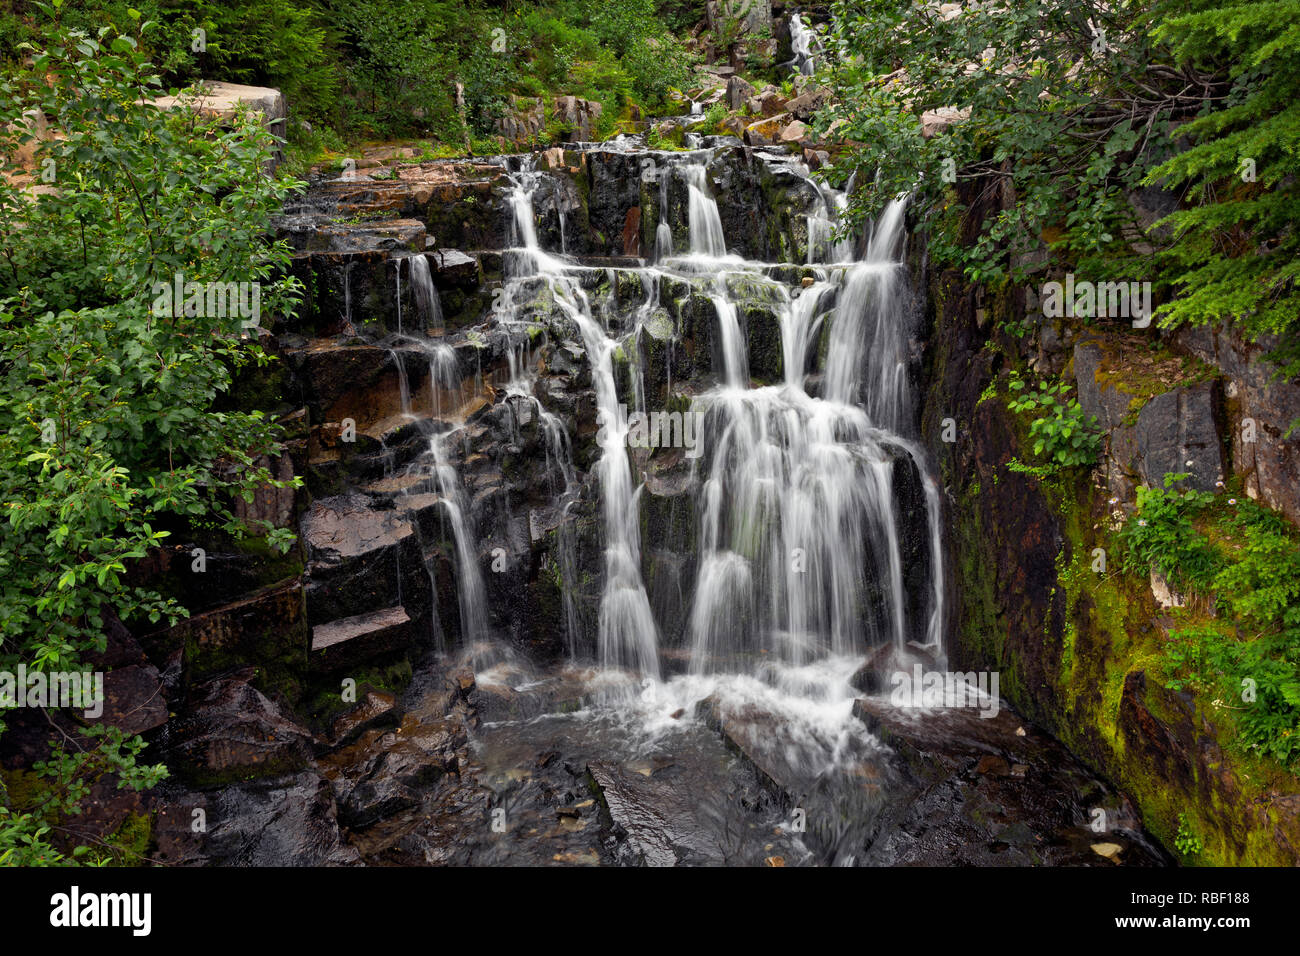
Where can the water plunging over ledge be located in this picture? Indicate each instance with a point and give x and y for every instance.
(736, 598)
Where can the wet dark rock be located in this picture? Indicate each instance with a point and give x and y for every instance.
(134, 699)
(389, 235)
(873, 676)
(291, 821)
(384, 772)
(452, 268)
(135, 693)
(1024, 799)
(230, 732)
(360, 560)
(375, 709)
(267, 627)
(654, 821)
(390, 784)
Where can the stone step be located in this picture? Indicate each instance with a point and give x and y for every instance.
(346, 642)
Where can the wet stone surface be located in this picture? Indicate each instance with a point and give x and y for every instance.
(637, 781)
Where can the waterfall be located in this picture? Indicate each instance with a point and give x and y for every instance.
(702, 209)
(627, 635)
(734, 358)
(444, 378)
(720, 594)
(663, 231)
(800, 537)
(427, 303)
(347, 298)
(473, 602)
(799, 524)
(868, 326)
(802, 40)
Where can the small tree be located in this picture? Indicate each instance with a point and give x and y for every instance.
(107, 402)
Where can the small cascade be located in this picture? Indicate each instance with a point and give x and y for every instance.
(426, 298)
(627, 635)
(663, 231)
(867, 327)
(735, 360)
(473, 600)
(705, 223)
(803, 41)
(444, 378)
(347, 298)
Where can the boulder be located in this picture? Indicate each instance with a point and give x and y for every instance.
(231, 731)
(654, 821)
(738, 92)
(771, 103)
(938, 120)
(734, 126)
(796, 132)
(225, 100)
(806, 104)
(1177, 432)
(766, 132)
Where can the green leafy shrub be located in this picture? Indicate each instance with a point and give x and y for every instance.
(1187, 841)
(1162, 536)
(113, 436)
(1245, 558)
(1073, 108)
(1061, 432)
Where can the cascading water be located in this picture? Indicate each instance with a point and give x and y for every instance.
(800, 553)
(473, 602)
(802, 41)
(627, 636)
(426, 296)
(736, 602)
(799, 566)
(705, 224)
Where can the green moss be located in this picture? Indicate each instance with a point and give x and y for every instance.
(23, 789)
(325, 701)
(129, 844)
(1143, 368)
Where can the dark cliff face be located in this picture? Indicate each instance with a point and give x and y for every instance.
(1075, 648)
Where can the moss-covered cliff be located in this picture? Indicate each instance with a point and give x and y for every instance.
(1079, 643)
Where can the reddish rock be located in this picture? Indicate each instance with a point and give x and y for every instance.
(632, 232)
